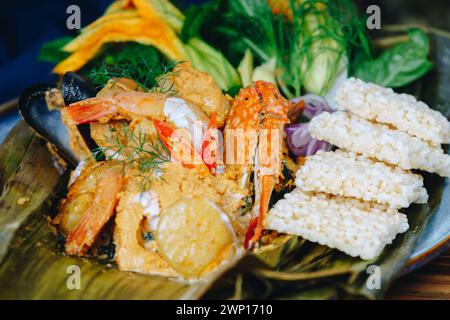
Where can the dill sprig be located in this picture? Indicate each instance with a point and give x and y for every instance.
(138, 151)
(165, 80)
(143, 64)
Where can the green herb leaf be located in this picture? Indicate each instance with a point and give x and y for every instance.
(399, 65)
(310, 48)
(138, 151)
(141, 63)
(250, 23)
(197, 17)
(51, 51)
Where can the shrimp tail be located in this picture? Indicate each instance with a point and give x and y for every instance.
(90, 110)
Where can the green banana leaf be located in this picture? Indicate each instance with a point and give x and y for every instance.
(33, 265)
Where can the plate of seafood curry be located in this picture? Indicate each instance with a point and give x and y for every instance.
(190, 190)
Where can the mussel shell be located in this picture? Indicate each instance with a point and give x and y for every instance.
(75, 88)
(46, 123)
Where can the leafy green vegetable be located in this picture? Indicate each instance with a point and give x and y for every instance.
(399, 65)
(202, 55)
(265, 71)
(131, 60)
(252, 22)
(51, 51)
(328, 34)
(310, 45)
(197, 16)
(233, 27)
(205, 58)
(245, 68)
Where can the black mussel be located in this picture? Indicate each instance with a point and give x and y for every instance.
(47, 123)
(75, 88)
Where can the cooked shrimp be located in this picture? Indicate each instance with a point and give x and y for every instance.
(89, 205)
(121, 105)
(167, 113)
(130, 105)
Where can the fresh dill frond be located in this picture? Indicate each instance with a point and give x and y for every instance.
(141, 63)
(136, 152)
(165, 80)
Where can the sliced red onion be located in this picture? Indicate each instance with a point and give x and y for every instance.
(314, 105)
(316, 145)
(300, 142)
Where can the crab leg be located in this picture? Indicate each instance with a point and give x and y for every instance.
(243, 123)
(266, 174)
(262, 109)
(274, 118)
(266, 191)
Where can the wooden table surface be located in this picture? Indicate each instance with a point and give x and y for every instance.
(431, 281)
